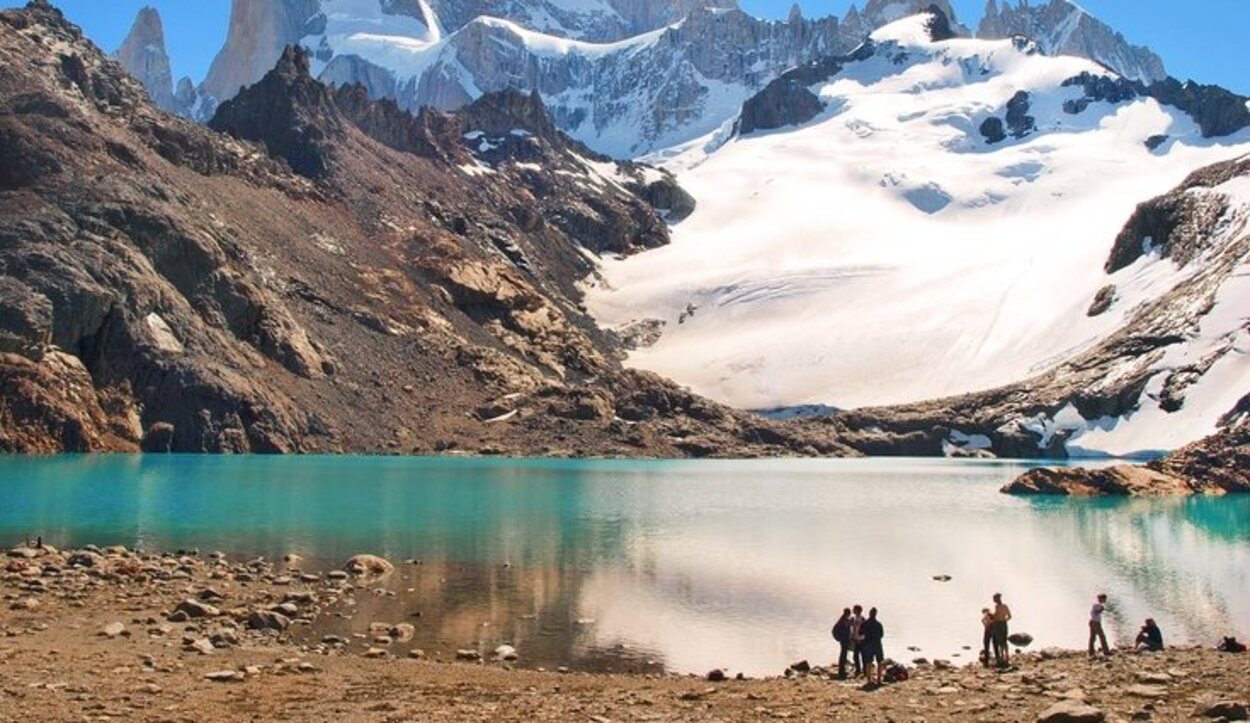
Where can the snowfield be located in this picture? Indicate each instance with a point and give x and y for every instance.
(884, 253)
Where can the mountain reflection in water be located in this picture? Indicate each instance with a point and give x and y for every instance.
(632, 565)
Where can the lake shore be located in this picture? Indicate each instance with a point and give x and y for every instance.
(95, 634)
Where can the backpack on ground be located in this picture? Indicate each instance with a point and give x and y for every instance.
(895, 674)
(1230, 645)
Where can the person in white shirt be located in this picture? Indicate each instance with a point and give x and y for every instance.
(1095, 626)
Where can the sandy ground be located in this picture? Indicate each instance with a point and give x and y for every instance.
(96, 642)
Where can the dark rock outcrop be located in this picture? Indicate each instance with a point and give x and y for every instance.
(993, 130)
(1177, 224)
(288, 111)
(1217, 111)
(788, 99)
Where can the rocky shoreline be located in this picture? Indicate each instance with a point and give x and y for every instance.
(98, 634)
(1217, 465)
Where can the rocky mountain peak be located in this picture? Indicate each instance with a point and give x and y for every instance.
(883, 12)
(508, 110)
(1061, 27)
(288, 111)
(143, 55)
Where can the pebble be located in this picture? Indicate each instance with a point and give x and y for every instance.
(112, 630)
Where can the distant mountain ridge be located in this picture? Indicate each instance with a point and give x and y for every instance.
(627, 77)
(1062, 27)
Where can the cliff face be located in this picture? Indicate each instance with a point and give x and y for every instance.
(1062, 27)
(327, 273)
(143, 55)
(257, 34)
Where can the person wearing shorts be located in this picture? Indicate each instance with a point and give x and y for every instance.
(873, 632)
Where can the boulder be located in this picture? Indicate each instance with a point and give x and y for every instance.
(268, 620)
(195, 609)
(1020, 640)
(368, 566)
(505, 652)
(1226, 709)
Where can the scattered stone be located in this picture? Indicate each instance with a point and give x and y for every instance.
(203, 646)
(697, 694)
(505, 652)
(1148, 678)
(403, 632)
(1020, 640)
(716, 676)
(416, 653)
(375, 653)
(467, 654)
(224, 676)
(801, 667)
(112, 630)
(1147, 691)
(1071, 711)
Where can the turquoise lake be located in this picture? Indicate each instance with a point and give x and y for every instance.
(684, 565)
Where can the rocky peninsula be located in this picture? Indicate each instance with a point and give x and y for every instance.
(1217, 465)
(99, 634)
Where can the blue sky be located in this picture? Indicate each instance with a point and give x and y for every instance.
(1200, 39)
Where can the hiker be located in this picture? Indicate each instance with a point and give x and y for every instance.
(872, 632)
(1001, 615)
(842, 634)
(987, 635)
(1095, 625)
(857, 652)
(1150, 637)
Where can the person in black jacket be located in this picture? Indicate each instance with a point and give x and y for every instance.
(873, 632)
(1150, 637)
(842, 634)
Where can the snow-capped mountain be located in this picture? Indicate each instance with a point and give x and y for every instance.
(1061, 27)
(928, 218)
(627, 77)
(143, 55)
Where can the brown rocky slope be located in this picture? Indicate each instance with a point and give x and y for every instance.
(321, 273)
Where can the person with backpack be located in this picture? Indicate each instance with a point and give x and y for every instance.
(1095, 625)
(873, 632)
(842, 634)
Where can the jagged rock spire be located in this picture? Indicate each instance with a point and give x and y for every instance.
(143, 55)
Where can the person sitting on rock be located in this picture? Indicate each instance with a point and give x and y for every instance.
(1150, 637)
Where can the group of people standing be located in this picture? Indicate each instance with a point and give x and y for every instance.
(860, 644)
(861, 649)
